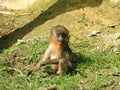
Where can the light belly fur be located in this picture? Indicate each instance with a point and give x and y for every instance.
(53, 56)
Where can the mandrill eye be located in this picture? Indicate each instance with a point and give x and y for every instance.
(59, 34)
(63, 35)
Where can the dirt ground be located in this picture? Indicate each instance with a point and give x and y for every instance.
(17, 4)
(81, 18)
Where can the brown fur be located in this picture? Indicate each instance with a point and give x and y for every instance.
(58, 53)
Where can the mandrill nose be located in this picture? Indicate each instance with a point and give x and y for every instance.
(60, 39)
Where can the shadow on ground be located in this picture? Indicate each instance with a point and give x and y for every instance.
(61, 6)
(79, 60)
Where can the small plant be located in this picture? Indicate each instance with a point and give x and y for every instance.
(86, 62)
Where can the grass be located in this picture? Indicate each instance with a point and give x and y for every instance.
(92, 70)
(20, 18)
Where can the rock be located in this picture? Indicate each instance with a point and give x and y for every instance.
(6, 12)
(111, 43)
(53, 87)
(113, 25)
(94, 33)
(20, 42)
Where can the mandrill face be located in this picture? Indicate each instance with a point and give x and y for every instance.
(61, 34)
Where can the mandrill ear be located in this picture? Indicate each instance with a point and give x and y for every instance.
(68, 38)
(51, 30)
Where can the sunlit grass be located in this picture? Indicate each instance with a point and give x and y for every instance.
(87, 64)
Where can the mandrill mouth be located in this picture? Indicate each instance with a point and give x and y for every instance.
(60, 41)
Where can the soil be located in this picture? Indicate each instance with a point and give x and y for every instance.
(16, 4)
(81, 18)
